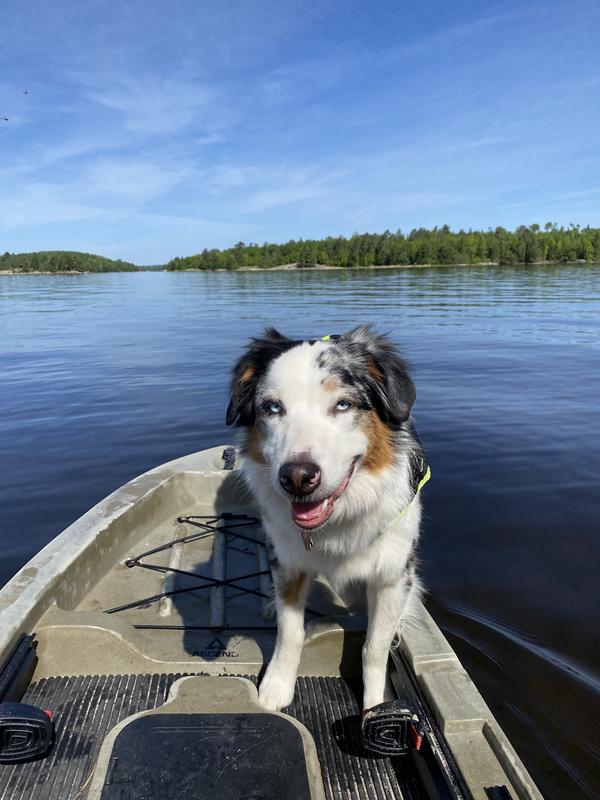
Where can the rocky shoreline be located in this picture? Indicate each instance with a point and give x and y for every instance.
(295, 268)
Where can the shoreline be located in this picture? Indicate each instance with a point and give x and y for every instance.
(296, 268)
(70, 271)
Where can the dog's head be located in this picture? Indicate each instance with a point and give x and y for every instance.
(318, 413)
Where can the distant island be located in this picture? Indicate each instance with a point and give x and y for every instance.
(60, 262)
(421, 247)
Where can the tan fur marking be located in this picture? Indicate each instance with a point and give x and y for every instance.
(380, 452)
(374, 370)
(246, 375)
(331, 385)
(289, 590)
(251, 445)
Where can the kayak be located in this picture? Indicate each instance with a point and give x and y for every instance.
(131, 647)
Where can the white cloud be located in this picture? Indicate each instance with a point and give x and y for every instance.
(154, 105)
(41, 204)
(228, 176)
(260, 188)
(272, 198)
(104, 189)
(134, 179)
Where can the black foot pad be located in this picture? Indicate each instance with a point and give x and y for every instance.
(391, 728)
(207, 756)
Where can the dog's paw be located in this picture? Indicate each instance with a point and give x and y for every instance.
(276, 691)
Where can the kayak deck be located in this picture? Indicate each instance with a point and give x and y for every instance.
(87, 707)
(135, 594)
(177, 585)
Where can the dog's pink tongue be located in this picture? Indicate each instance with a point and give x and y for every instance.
(307, 512)
(311, 515)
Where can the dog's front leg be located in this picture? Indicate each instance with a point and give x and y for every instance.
(386, 606)
(277, 687)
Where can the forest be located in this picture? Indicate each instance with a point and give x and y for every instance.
(531, 244)
(438, 246)
(61, 261)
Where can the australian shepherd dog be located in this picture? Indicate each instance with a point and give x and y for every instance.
(330, 453)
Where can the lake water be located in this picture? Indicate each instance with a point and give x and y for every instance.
(105, 376)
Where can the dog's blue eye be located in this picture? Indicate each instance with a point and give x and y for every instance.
(272, 407)
(343, 405)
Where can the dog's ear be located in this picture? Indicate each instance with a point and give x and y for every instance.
(391, 389)
(247, 374)
(243, 388)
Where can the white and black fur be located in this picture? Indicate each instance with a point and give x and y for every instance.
(320, 416)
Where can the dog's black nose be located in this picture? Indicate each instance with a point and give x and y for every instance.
(299, 477)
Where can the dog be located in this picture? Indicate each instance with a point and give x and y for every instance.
(329, 450)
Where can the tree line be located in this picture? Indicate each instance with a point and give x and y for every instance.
(62, 261)
(439, 246)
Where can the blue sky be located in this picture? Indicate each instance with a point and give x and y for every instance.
(153, 129)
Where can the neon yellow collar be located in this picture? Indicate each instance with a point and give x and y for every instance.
(421, 479)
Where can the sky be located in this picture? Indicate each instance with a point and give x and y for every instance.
(146, 130)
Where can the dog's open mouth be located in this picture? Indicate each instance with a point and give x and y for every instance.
(312, 514)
